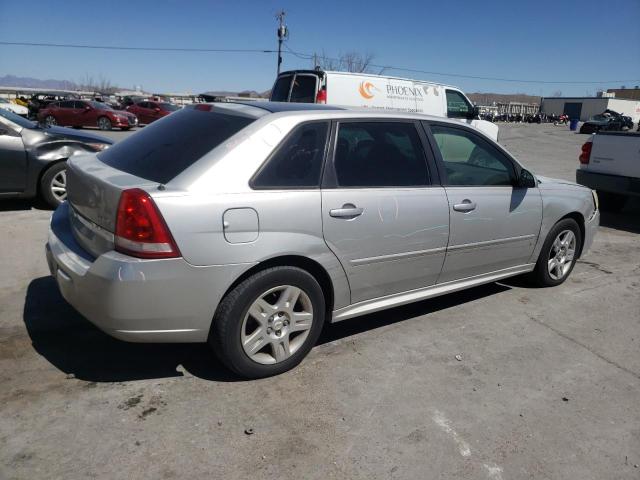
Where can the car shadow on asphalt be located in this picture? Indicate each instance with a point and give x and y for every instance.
(15, 205)
(76, 347)
(627, 220)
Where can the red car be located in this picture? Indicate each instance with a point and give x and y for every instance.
(149, 111)
(86, 113)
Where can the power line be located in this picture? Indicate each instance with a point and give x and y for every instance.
(307, 56)
(146, 49)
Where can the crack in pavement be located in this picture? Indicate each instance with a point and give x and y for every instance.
(586, 347)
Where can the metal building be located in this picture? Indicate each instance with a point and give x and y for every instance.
(586, 107)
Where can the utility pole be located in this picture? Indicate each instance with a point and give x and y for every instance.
(283, 34)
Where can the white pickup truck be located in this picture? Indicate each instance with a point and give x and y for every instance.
(610, 164)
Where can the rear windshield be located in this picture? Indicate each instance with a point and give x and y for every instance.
(304, 89)
(161, 151)
(280, 91)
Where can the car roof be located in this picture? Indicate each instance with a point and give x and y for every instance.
(277, 107)
(265, 109)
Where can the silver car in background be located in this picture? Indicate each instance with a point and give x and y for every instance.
(250, 225)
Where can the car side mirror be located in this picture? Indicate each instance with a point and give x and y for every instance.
(526, 179)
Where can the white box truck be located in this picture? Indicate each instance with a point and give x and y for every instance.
(363, 90)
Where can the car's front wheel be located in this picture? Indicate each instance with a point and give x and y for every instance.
(53, 185)
(50, 121)
(104, 123)
(269, 322)
(559, 254)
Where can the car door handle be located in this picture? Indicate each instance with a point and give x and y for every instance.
(348, 210)
(466, 206)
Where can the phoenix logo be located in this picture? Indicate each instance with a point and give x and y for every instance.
(365, 90)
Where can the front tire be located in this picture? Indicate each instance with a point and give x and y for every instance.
(104, 123)
(268, 323)
(53, 185)
(558, 255)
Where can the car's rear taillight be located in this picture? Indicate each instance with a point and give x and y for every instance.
(140, 229)
(321, 96)
(586, 153)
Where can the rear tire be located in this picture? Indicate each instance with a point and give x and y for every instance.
(53, 184)
(254, 320)
(557, 259)
(50, 121)
(611, 202)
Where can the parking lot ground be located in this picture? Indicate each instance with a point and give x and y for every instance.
(546, 385)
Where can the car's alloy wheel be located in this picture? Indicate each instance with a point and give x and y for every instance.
(104, 123)
(50, 121)
(269, 322)
(58, 186)
(277, 324)
(561, 255)
(53, 184)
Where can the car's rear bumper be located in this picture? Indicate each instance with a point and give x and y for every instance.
(132, 299)
(608, 183)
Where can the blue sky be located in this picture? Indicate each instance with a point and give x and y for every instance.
(540, 40)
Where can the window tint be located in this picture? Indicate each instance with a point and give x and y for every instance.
(457, 105)
(79, 105)
(66, 104)
(470, 160)
(304, 89)
(280, 91)
(380, 154)
(297, 162)
(163, 150)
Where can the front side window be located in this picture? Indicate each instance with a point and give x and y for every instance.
(470, 160)
(280, 92)
(304, 89)
(379, 154)
(297, 162)
(457, 105)
(65, 104)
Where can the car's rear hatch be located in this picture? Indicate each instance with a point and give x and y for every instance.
(146, 160)
(93, 193)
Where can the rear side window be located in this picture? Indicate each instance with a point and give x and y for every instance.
(297, 162)
(380, 154)
(164, 149)
(304, 89)
(280, 91)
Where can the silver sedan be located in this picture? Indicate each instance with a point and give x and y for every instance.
(249, 225)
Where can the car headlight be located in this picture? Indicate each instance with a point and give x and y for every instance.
(594, 194)
(98, 147)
